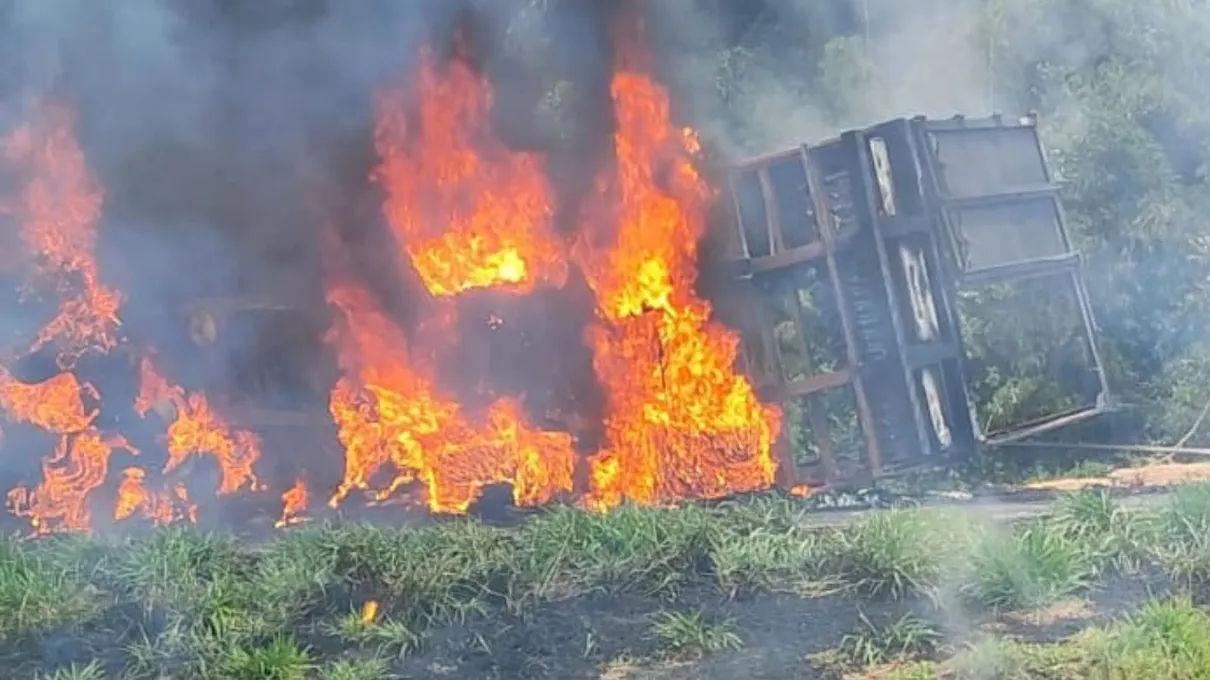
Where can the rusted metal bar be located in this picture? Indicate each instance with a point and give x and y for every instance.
(786, 258)
(812, 384)
(1019, 195)
(1045, 424)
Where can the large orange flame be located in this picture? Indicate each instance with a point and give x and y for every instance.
(56, 210)
(681, 423)
(470, 212)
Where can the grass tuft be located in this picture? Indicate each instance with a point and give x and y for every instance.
(993, 658)
(1096, 519)
(903, 639)
(91, 671)
(766, 559)
(38, 595)
(280, 659)
(360, 669)
(1165, 639)
(1182, 541)
(1028, 569)
(695, 632)
(643, 550)
(893, 554)
(387, 636)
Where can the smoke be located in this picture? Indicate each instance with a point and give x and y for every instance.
(204, 122)
(784, 72)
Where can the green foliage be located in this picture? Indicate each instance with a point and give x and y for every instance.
(280, 659)
(37, 594)
(995, 658)
(91, 671)
(1183, 528)
(1097, 521)
(365, 669)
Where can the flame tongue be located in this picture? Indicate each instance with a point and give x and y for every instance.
(390, 414)
(294, 504)
(470, 212)
(196, 429)
(59, 208)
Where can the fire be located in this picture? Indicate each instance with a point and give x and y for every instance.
(391, 415)
(294, 503)
(196, 429)
(78, 466)
(55, 405)
(59, 208)
(470, 212)
(801, 490)
(681, 423)
(369, 611)
(161, 508)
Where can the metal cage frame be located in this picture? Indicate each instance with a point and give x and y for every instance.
(876, 210)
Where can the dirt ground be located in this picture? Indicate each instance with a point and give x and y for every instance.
(1145, 476)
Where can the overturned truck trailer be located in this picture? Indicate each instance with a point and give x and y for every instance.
(909, 293)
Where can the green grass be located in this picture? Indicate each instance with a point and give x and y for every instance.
(897, 553)
(1028, 569)
(188, 604)
(907, 637)
(695, 632)
(364, 669)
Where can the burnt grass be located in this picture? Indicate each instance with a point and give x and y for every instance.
(743, 589)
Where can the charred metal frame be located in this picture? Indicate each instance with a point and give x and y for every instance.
(881, 210)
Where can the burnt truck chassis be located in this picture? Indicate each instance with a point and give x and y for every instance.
(872, 239)
(867, 244)
(877, 236)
